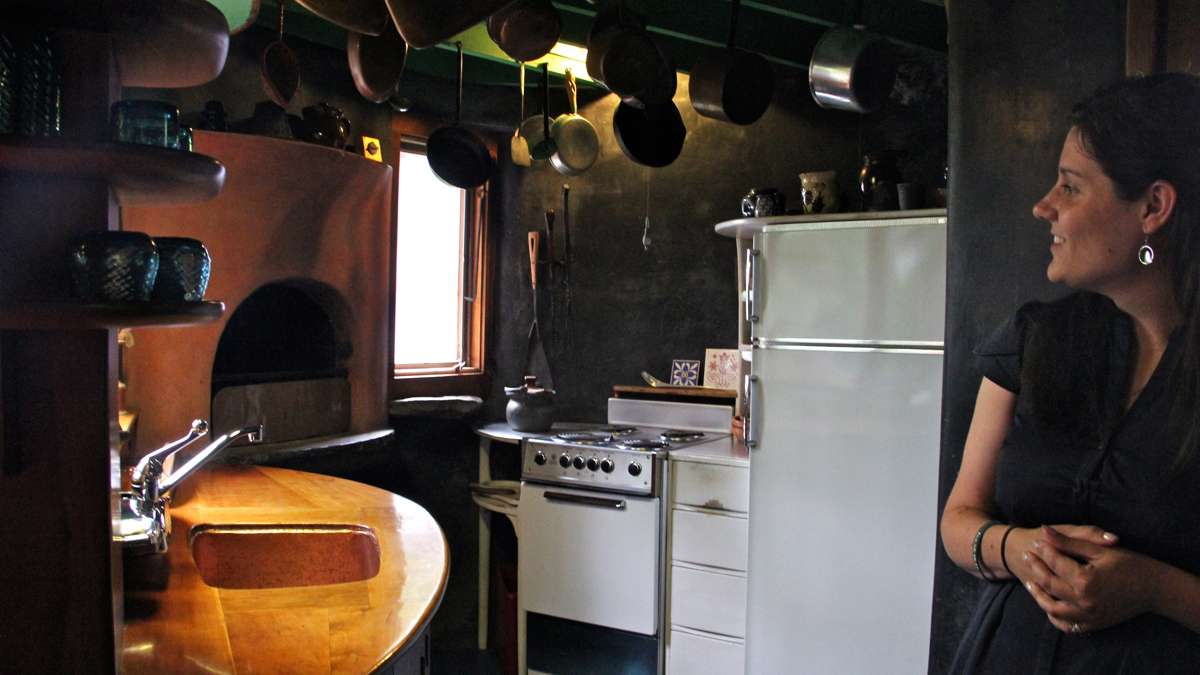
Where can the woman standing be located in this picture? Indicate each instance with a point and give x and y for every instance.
(1079, 490)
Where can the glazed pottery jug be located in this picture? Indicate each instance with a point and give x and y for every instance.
(183, 270)
(819, 192)
(113, 266)
(878, 179)
(530, 407)
(762, 202)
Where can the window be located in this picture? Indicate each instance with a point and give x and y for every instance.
(439, 275)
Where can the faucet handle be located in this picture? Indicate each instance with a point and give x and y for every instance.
(253, 433)
(151, 465)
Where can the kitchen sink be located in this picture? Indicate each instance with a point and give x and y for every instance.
(280, 556)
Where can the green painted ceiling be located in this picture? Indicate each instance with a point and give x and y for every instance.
(784, 31)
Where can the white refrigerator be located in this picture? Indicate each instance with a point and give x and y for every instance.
(844, 398)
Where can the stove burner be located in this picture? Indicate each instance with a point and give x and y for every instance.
(680, 435)
(642, 444)
(620, 430)
(585, 437)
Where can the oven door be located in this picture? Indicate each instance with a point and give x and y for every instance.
(590, 556)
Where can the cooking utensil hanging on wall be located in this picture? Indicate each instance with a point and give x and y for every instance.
(519, 146)
(544, 148)
(377, 63)
(526, 30)
(636, 69)
(280, 67)
(609, 22)
(369, 17)
(535, 351)
(851, 69)
(424, 23)
(456, 155)
(574, 137)
(652, 136)
(732, 85)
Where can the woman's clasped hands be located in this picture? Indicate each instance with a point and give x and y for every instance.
(1085, 582)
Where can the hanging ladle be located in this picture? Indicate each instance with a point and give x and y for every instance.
(280, 67)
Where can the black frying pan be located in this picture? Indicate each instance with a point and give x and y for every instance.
(652, 136)
(733, 85)
(376, 62)
(456, 155)
(525, 30)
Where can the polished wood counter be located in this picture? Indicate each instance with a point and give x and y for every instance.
(352, 627)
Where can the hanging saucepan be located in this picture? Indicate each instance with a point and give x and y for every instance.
(456, 155)
(574, 137)
(369, 17)
(733, 85)
(280, 68)
(608, 23)
(526, 29)
(851, 69)
(651, 136)
(541, 143)
(377, 63)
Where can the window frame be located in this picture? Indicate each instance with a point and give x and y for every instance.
(470, 378)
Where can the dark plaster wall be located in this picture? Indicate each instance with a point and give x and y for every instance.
(1015, 70)
(630, 309)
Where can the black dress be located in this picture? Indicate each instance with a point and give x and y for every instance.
(1118, 477)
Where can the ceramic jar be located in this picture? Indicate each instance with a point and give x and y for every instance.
(111, 266)
(184, 267)
(530, 407)
(819, 192)
(878, 179)
(762, 202)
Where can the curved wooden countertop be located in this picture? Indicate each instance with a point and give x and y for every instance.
(350, 627)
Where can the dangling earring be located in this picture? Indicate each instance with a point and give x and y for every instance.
(1146, 253)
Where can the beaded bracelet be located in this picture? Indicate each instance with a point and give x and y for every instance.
(1003, 541)
(976, 555)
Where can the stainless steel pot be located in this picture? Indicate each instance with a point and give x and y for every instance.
(852, 70)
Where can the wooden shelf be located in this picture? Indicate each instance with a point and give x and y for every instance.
(138, 174)
(80, 316)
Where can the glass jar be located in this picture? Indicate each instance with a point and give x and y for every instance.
(145, 122)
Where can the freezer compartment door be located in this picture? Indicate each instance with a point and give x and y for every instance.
(589, 556)
(878, 284)
(843, 504)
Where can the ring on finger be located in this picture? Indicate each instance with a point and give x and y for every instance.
(1076, 629)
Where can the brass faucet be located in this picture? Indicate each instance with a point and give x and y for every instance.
(145, 522)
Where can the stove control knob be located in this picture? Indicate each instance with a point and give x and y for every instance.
(635, 469)
(607, 465)
(593, 463)
(539, 458)
(579, 462)
(564, 461)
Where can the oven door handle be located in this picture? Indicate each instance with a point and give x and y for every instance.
(618, 504)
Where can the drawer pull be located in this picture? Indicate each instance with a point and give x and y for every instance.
(617, 504)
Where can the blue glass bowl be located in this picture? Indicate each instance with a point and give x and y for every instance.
(113, 267)
(183, 270)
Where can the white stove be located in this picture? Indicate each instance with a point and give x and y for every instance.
(592, 536)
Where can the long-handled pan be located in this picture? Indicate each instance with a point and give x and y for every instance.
(456, 155)
(535, 354)
(733, 85)
(651, 136)
(575, 139)
(280, 67)
(519, 145)
(368, 17)
(526, 30)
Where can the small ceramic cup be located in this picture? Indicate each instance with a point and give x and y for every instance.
(183, 270)
(111, 266)
(819, 192)
(911, 195)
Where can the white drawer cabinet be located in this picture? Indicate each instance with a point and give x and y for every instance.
(697, 653)
(713, 486)
(708, 600)
(709, 538)
(709, 543)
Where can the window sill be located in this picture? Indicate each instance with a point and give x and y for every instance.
(435, 407)
(446, 384)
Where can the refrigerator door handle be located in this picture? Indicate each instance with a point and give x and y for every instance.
(751, 433)
(751, 272)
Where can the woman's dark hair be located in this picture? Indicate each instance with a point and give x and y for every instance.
(1139, 130)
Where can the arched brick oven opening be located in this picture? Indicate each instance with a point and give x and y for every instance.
(282, 360)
